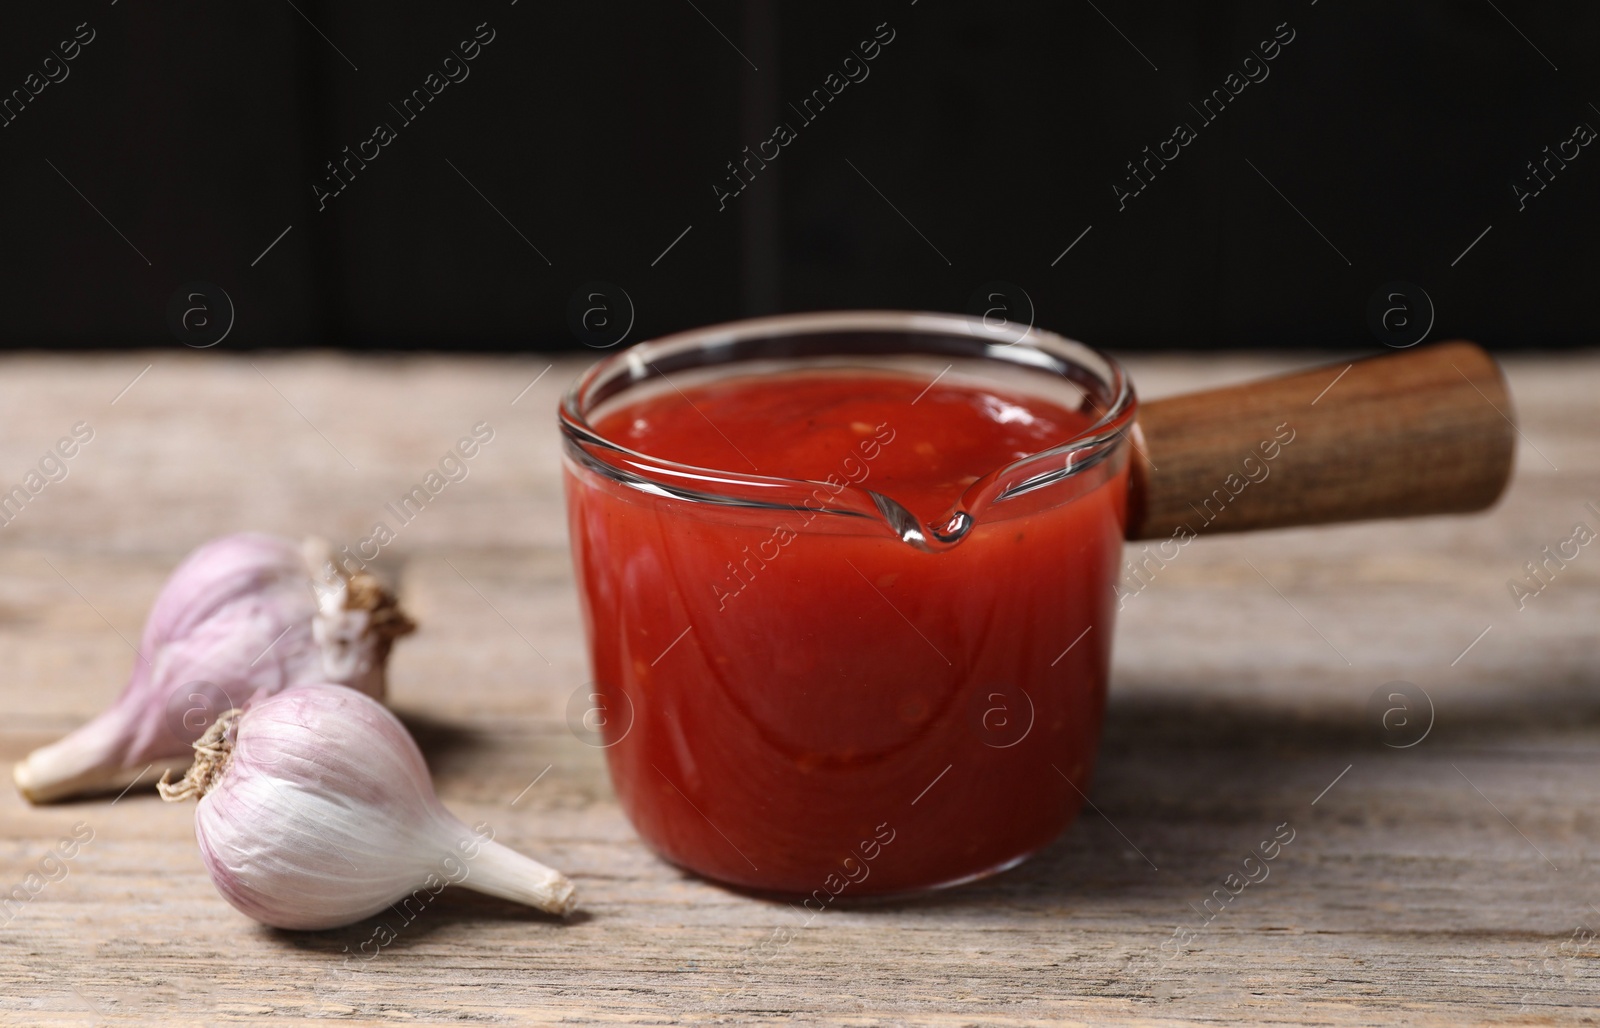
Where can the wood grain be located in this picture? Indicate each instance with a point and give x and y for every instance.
(1243, 672)
(1418, 432)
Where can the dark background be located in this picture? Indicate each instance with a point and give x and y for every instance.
(984, 141)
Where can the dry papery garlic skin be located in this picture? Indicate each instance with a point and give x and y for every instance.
(243, 615)
(317, 810)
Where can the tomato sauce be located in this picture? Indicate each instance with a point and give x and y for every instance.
(801, 702)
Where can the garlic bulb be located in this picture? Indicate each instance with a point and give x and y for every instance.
(316, 810)
(243, 615)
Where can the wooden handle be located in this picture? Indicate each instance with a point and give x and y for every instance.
(1425, 431)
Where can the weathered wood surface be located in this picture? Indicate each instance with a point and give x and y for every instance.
(1440, 884)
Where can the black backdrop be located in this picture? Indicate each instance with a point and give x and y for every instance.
(985, 139)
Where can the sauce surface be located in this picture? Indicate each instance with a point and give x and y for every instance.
(945, 436)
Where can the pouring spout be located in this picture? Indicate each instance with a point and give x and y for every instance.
(1054, 467)
(929, 538)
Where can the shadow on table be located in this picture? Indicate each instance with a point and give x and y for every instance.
(1187, 783)
(441, 741)
(400, 927)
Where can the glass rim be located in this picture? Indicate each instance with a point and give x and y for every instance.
(938, 333)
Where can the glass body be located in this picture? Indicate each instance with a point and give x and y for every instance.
(883, 705)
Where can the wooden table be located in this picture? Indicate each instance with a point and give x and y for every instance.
(1449, 882)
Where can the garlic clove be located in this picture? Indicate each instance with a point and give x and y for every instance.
(242, 615)
(317, 810)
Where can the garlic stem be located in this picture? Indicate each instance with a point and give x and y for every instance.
(66, 768)
(501, 871)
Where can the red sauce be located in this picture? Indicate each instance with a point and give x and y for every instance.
(803, 702)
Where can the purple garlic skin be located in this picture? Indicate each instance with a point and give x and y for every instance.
(243, 615)
(317, 810)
